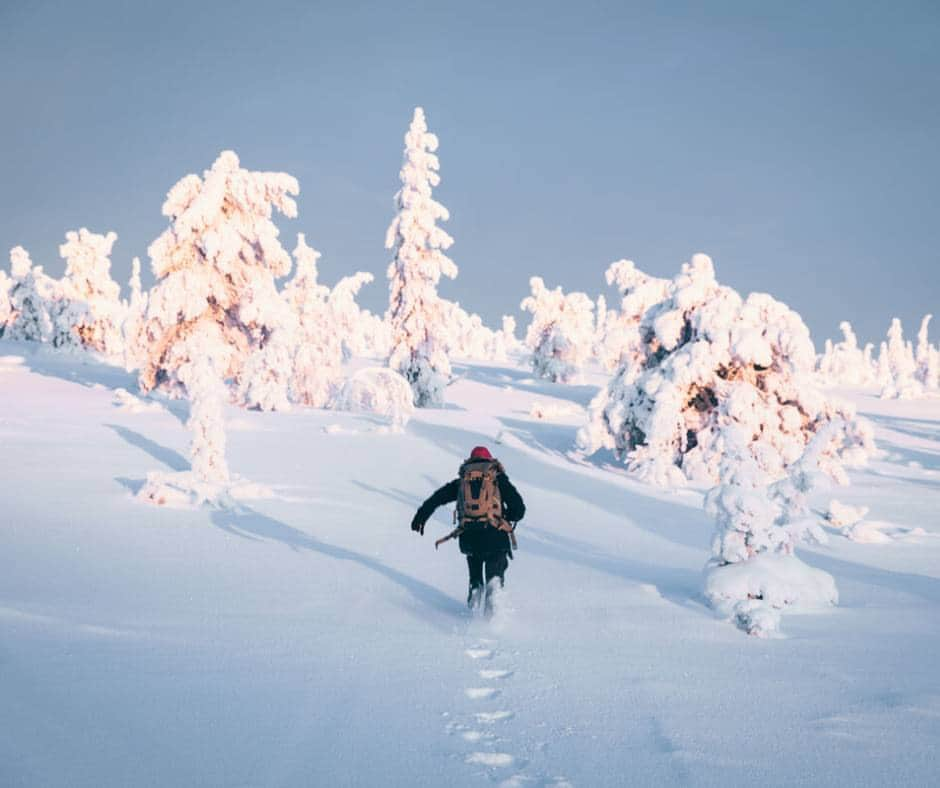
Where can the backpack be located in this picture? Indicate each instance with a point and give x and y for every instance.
(478, 498)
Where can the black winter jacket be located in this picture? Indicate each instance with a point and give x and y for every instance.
(483, 540)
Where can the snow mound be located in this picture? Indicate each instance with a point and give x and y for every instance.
(552, 411)
(490, 759)
(381, 391)
(841, 514)
(753, 593)
(185, 490)
(124, 400)
(879, 532)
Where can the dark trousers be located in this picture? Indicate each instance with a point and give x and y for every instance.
(489, 565)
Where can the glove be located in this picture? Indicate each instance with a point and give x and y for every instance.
(417, 524)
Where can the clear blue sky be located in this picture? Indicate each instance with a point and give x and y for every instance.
(797, 143)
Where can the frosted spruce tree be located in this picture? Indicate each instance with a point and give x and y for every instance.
(214, 303)
(560, 336)
(33, 298)
(134, 309)
(6, 305)
(709, 359)
(898, 366)
(356, 326)
(927, 358)
(318, 354)
(91, 313)
(415, 313)
(512, 344)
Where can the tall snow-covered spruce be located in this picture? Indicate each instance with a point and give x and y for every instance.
(214, 313)
(708, 358)
(416, 315)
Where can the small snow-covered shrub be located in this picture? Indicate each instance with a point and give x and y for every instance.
(466, 336)
(416, 316)
(753, 573)
(380, 391)
(709, 359)
(845, 363)
(90, 313)
(561, 334)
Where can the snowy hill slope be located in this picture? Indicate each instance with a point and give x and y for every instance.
(311, 639)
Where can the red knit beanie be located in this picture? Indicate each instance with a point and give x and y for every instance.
(481, 453)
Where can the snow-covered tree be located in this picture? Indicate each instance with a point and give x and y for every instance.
(6, 305)
(90, 313)
(512, 344)
(560, 336)
(202, 357)
(33, 298)
(709, 359)
(215, 267)
(898, 366)
(753, 573)
(318, 352)
(416, 314)
(361, 332)
(134, 309)
(465, 335)
(927, 358)
(845, 363)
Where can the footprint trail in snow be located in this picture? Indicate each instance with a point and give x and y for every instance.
(487, 723)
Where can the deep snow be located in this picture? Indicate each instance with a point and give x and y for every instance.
(312, 639)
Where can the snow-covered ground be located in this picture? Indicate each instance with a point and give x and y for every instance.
(311, 639)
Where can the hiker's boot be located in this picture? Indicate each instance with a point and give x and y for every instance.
(492, 589)
(474, 597)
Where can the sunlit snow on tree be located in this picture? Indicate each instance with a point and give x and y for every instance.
(708, 358)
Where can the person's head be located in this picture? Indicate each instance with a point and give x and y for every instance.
(480, 453)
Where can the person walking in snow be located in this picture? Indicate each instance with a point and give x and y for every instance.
(488, 506)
